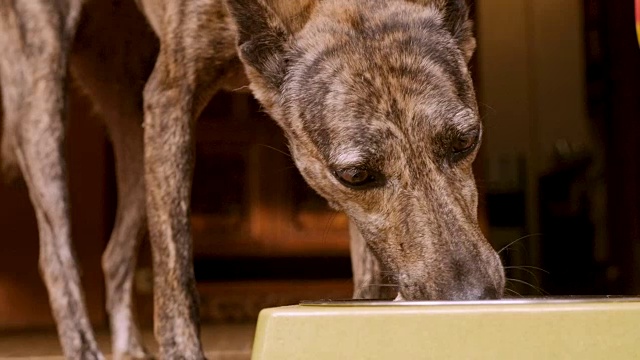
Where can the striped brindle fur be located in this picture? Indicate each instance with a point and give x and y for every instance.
(374, 96)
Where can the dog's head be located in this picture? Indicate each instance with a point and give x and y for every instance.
(377, 103)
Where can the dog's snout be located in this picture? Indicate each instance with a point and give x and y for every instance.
(461, 280)
(467, 292)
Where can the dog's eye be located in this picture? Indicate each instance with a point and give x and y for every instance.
(464, 143)
(355, 177)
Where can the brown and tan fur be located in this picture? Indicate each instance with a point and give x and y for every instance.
(378, 87)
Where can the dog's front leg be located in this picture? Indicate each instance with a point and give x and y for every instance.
(35, 37)
(168, 162)
(194, 49)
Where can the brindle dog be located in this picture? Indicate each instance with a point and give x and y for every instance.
(374, 96)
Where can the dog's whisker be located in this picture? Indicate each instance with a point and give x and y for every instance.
(536, 288)
(327, 227)
(484, 105)
(516, 240)
(276, 150)
(527, 267)
(534, 275)
(513, 292)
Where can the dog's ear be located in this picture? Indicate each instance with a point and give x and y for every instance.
(455, 14)
(264, 30)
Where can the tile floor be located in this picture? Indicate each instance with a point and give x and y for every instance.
(221, 342)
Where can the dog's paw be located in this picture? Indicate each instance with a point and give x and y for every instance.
(88, 355)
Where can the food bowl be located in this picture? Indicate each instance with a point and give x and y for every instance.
(528, 328)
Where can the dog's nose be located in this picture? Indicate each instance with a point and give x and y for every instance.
(489, 293)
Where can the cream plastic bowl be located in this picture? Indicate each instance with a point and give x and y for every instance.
(533, 328)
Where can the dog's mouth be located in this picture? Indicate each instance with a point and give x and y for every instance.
(463, 294)
(476, 285)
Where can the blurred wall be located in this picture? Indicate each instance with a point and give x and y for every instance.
(531, 94)
(531, 71)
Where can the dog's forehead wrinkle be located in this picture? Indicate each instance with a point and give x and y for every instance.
(347, 15)
(378, 91)
(337, 33)
(364, 88)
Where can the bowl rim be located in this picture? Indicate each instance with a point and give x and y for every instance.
(572, 299)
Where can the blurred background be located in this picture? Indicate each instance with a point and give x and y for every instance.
(558, 84)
